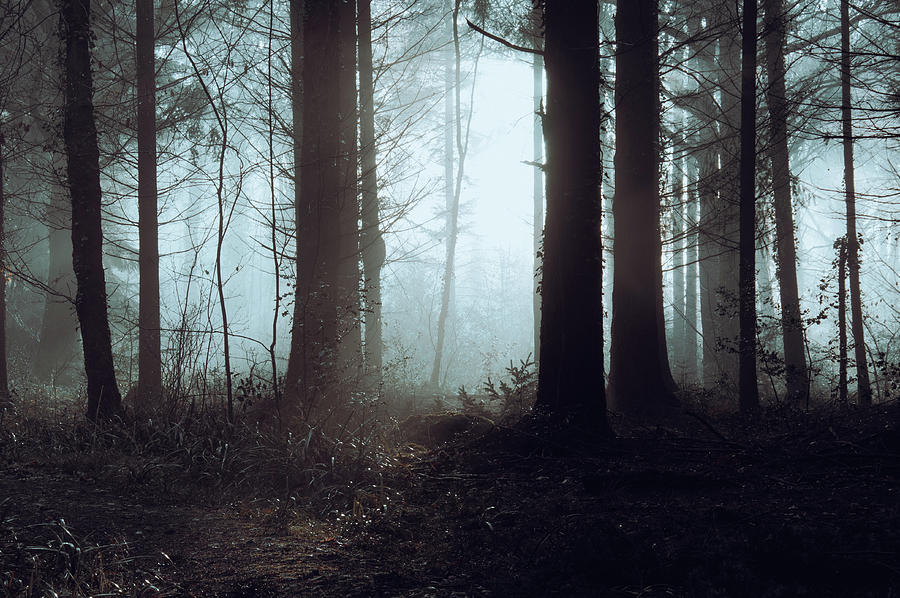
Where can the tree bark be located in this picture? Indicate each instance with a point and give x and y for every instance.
(4, 270)
(349, 271)
(775, 28)
(537, 153)
(692, 325)
(842, 319)
(312, 362)
(859, 342)
(149, 357)
(371, 240)
(569, 388)
(748, 387)
(80, 136)
(639, 379)
(678, 268)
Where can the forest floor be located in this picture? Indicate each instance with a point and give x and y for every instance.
(797, 505)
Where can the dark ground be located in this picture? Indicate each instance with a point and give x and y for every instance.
(805, 506)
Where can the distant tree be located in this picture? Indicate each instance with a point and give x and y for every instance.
(80, 134)
(570, 385)
(639, 378)
(747, 382)
(856, 323)
(149, 357)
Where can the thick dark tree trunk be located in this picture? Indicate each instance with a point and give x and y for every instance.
(83, 170)
(859, 342)
(149, 359)
(537, 153)
(349, 272)
(569, 387)
(4, 269)
(371, 241)
(748, 387)
(639, 378)
(775, 29)
(314, 335)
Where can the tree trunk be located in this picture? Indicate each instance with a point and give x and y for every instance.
(691, 279)
(678, 267)
(371, 241)
(639, 379)
(4, 270)
(569, 388)
(349, 274)
(776, 97)
(537, 152)
(707, 198)
(842, 319)
(314, 334)
(859, 341)
(451, 124)
(83, 170)
(149, 359)
(727, 218)
(748, 387)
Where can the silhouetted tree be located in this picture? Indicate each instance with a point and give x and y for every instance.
(83, 170)
(149, 359)
(775, 30)
(318, 189)
(569, 387)
(748, 387)
(856, 323)
(639, 379)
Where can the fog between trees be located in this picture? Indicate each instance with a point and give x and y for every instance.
(344, 193)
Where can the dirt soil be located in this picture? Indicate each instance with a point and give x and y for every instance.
(701, 509)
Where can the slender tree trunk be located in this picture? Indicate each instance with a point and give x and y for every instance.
(727, 232)
(371, 240)
(678, 282)
(859, 342)
(273, 212)
(776, 97)
(569, 388)
(842, 319)
(691, 279)
(80, 136)
(313, 359)
(639, 378)
(748, 387)
(707, 198)
(149, 357)
(349, 274)
(4, 270)
(453, 123)
(537, 153)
